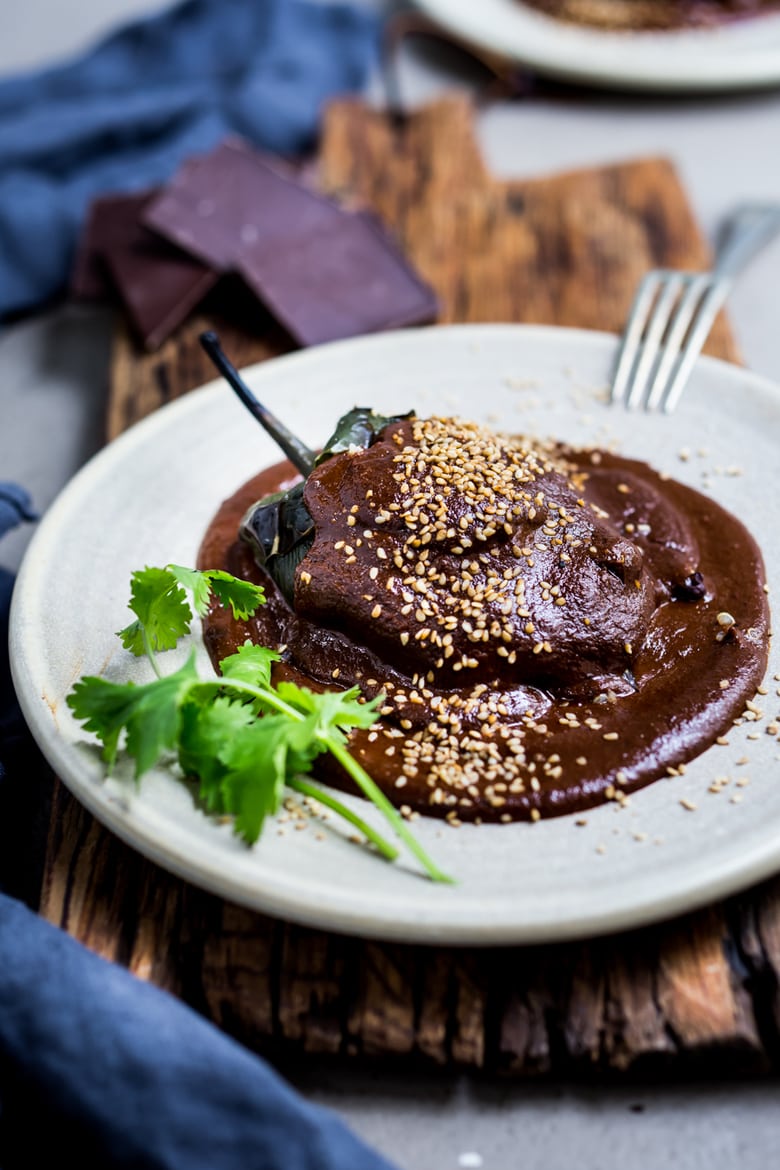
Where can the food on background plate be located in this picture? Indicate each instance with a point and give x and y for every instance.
(633, 15)
(540, 628)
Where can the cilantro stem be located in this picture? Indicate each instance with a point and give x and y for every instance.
(383, 846)
(368, 787)
(150, 654)
(391, 814)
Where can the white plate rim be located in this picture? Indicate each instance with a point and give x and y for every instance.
(283, 899)
(631, 61)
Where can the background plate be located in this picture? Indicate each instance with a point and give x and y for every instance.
(147, 498)
(742, 55)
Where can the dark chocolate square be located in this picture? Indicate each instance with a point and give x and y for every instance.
(350, 279)
(112, 221)
(219, 205)
(158, 284)
(158, 291)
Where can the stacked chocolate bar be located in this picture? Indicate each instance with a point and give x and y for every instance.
(628, 15)
(323, 271)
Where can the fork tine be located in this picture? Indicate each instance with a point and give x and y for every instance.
(656, 327)
(709, 307)
(629, 346)
(655, 370)
(681, 322)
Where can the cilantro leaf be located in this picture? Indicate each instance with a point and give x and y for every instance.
(149, 714)
(207, 723)
(243, 763)
(339, 709)
(242, 596)
(196, 582)
(161, 607)
(260, 758)
(250, 664)
(159, 601)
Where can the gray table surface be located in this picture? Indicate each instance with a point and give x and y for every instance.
(53, 372)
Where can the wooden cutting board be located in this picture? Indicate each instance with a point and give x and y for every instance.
(700, 993)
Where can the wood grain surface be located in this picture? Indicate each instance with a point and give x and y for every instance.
(697, 995)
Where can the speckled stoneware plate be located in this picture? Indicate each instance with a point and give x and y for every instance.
(147, 498)
(740, 55)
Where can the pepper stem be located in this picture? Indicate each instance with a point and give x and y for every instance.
(297, 452)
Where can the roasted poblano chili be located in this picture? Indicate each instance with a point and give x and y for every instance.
(279, 528)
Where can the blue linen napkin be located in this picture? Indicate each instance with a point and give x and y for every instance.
(15, 508)
(100, 1070)
(124, 116)
(107, 1071)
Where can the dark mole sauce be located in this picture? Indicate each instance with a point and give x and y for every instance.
(606, 667)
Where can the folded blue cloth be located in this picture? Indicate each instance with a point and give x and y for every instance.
(123, 117)
(15, 508)
(105, 1071)
(100, 1070)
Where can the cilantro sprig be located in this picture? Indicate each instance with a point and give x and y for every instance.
(243, 738)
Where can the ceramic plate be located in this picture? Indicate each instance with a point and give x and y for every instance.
(742, 55)
(147, 498)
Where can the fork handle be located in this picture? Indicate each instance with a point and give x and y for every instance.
(746, 232)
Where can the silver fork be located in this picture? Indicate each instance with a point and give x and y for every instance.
(674, 311)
